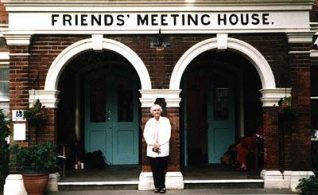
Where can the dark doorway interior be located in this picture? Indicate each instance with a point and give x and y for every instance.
(195, 97)
(196, 105)
(71, 111)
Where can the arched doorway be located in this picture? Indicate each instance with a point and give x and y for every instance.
(220, 103)
(63, 76)
(99, 108)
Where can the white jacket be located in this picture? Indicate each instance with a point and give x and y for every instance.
(164, 133)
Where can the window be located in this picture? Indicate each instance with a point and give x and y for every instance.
(4, 81)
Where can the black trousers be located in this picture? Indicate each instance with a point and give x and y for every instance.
(159, 168)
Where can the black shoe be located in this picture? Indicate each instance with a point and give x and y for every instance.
(162, 190)
(156, 190)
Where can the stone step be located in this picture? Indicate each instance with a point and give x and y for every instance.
(98, 185)
(224, 183)
(133, 185)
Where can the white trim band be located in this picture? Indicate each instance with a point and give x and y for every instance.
(98, 183)
(225, 181)
(19, 54)
(299, 52)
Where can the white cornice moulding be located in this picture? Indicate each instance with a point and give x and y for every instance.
(162, 2)
(148, 97)
(18, 39)
(271, 97)
(155, 8)
(49, 99)
(172, 31)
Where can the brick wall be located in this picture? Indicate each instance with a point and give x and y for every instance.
(299, 150)
(271, 138)
(3, 15)
(19, 76)
(24, 70)
(314, 12)
(44, 50)
(174, 163)
(160, 64)
(274, 47)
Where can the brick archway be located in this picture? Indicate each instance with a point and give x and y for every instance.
(254, 56)
(67, 54)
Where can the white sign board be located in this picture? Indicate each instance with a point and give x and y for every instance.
(18, 115)
(19, 131)
(143, 22)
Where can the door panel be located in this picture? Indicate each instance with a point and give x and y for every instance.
(126, 120)
(220, 116)
(97, 140)
(221, 141)
(209, 123)
(111, 116)
(125, 145)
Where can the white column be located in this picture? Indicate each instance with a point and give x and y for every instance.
(14, 185)
(148, 97)
(174, 180)
(272, 179)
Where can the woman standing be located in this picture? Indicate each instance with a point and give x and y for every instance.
(157, 135)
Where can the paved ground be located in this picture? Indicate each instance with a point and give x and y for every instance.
(183, 192)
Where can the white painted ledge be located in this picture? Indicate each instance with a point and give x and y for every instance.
(285, 180)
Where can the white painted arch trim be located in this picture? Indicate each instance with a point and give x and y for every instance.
(252, 54)
(56, 68)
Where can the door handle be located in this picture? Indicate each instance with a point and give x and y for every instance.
(108, 113)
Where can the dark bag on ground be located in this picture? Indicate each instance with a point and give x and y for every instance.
(95, 159)
(229, 156)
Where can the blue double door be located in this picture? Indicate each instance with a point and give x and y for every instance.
(111, 116)
(209, 116)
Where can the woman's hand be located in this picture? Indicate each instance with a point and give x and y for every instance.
(156, 148)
